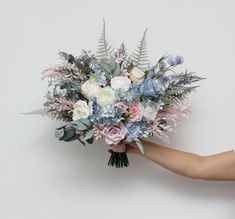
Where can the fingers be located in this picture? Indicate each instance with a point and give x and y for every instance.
(130, 148)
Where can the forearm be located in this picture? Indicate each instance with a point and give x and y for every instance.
(214, 167)
(180, 162)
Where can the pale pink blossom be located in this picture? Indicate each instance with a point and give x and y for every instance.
(119, 58)
(114, 134)
(160, 130)
(121, 105)
(135, 112)
(174, 113)
(124, 72)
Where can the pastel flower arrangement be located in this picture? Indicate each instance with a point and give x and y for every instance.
(117, 97)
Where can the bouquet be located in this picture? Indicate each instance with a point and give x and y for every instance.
(117, 97)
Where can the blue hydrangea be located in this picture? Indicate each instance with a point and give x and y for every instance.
(109, 114)
(150, 88)
(133, 129)
(100, 76)
(130, 96)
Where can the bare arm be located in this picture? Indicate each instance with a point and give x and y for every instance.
(214, 167)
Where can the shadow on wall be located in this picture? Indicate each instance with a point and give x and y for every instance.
(88, 165)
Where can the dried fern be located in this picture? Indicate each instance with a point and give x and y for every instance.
(42, 112)
(55, 108)
(139, 57)
(103, 47)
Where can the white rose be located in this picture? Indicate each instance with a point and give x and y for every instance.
(136, 75)
(120, 82)
(90, 89)
(149, 113)
(81, 110)
(106, 96)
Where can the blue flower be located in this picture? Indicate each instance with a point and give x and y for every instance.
(150, 88)
(133, 129)
(109, 114)
(177, 60)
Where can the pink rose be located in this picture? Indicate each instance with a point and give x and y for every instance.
(120, 82)
(90, 90)
(114, 134)
(121, 105)
(135, 112)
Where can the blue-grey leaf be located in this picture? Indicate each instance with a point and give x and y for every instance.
(88, 135)
(85, 121)
(140, 145)
(79, 125)
(59, 133)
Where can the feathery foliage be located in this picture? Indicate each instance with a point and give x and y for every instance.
(139, 57)
(178, 89)
(103, 47)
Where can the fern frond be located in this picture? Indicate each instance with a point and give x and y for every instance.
(42, 112)
(103, 47)
(180, 94)
(139, 57)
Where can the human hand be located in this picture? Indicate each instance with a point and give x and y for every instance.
(131, 148)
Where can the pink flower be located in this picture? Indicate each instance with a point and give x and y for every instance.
(121, 105)
(135, 112)
(120, 82)
(124, 72)
(114, 134)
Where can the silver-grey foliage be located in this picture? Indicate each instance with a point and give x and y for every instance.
(139, 57)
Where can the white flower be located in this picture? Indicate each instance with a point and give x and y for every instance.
(136, 75)
(81, 110)
(90, 89)
(120, 82)
(149, 113)
(106, 96)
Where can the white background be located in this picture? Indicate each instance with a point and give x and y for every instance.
(41, 178)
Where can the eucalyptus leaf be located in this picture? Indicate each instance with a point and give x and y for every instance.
(59, 133)
(88, 135)
(85, 121)
(69, 133)
(117, 71)
(112, 64)
(140, 145)
(106, 67)
(82, 142)
(90, 140)
(79, 125)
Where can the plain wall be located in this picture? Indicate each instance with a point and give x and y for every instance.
(42, 178)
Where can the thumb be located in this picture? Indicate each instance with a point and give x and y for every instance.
(130, 148)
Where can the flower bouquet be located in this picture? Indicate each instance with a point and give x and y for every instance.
(117, 97)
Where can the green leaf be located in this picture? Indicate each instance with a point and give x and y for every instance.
(117, 71)
(106, 66)
(69, 134)
(79, 139)
(85, 121)
(79, 125)
(59, 133)
(112, 63)
(167, 101)
(90, 140)
(88, 135)
(140, 145)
